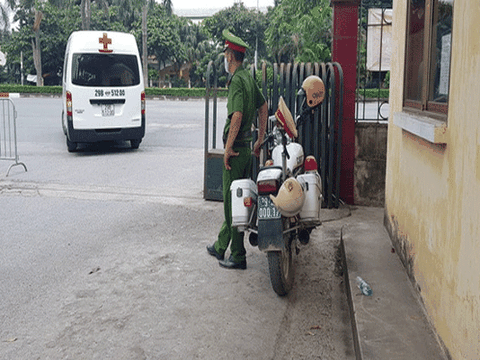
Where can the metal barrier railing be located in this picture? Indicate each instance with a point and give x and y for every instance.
(322, 137)
(8, 132)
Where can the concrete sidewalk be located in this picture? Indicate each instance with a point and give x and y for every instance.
(391, 324)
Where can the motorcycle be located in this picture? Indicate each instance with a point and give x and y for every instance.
(282, 208)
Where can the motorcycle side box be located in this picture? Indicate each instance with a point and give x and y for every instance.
(242, 214)
(312, 187)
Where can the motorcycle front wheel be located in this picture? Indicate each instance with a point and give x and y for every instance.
(280, 264)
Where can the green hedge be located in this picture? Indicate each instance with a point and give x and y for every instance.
(28, 89)
(373, 93)
(174, 92)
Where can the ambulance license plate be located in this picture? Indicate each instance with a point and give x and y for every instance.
(108, 109)
(266, 208)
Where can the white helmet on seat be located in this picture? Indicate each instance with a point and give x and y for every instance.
(290, 198)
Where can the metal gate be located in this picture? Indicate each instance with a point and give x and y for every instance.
(8, 132)
(321, 138)
(373, 60)
(372, 107)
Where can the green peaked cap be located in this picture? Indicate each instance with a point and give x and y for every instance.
(234, 42)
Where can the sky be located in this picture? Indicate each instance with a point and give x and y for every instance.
(184, 5)
(220, 4)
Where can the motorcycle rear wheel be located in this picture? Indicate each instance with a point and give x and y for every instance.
(280, 265)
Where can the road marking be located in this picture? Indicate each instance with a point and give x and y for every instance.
(173, 126)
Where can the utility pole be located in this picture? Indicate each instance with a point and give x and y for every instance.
(21, 67)
(144, 45)
(256, 38)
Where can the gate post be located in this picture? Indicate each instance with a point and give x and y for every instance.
(344, 51)
(213, 158)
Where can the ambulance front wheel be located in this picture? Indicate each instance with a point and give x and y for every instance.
(135, 143)
(71, 146)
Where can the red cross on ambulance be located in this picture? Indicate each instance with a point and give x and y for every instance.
(105, 41)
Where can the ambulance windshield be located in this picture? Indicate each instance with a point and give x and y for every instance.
(105, 70)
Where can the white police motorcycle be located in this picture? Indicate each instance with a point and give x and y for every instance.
(283, 206)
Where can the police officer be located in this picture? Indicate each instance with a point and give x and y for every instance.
(244, 98)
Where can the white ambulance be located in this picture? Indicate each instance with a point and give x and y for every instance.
(103, 89)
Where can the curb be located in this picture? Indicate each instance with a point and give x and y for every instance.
(351, 307)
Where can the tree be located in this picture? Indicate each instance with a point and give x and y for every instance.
(163, 36)
(106, 19)
(4, 18)
(199, 51)
(6, 7)
(296, 30)
(37, 54)
(85, 13)
(32, 18)
(250, 25)
(56, 26)
(300, 30)
(128, 12)
(5, 11)
(30, 14)
(168, 5)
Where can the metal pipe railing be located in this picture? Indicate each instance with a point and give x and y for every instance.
(321, 137)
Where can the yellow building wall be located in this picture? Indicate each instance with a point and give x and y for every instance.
(432, 203)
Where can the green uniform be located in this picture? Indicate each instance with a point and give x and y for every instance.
(243, 96)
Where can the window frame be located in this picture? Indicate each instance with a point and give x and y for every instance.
(425, 106)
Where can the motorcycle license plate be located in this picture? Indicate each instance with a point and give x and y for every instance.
(108, 109)
(266, 208)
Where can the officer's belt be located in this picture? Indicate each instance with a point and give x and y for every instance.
(237, 144)
(243, 139)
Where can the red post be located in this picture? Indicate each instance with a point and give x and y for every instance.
(344, 51)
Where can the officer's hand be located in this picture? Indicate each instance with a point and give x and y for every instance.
(256, 148)
(226, 157)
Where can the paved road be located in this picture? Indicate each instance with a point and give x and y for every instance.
(174, 139)
(373, 111)
(103, 256)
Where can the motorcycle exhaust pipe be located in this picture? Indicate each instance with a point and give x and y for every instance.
(304, 236)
